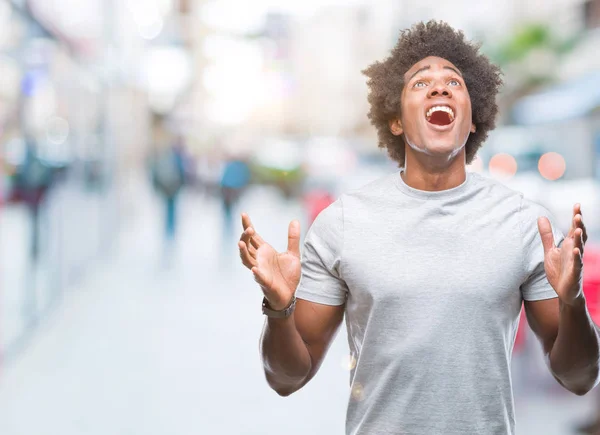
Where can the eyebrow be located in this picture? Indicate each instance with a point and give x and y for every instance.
(426, 67)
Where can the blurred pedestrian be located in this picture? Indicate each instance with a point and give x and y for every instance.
(169, 177)
(429, 265)
(234, 180)
(32, 180)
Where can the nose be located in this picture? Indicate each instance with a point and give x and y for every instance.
(440, 89)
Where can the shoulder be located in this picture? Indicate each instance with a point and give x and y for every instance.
(353, 200)
(532, 209)
(329, 223)
(370, 193)
(382, 182)
(527, 208)
(495, 188)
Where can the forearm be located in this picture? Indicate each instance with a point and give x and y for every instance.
(574, 358)
(285, 357)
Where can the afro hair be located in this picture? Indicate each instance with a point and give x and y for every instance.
(386, 82)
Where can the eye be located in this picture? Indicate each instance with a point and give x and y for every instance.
(454, 82)
(419, 84)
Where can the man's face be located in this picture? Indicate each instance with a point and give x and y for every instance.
(436, 109)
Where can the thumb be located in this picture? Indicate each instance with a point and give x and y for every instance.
(545, 229)
(294, 237)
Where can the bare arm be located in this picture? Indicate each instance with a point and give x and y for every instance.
(570, 340)
(293, 349)
(564, 326)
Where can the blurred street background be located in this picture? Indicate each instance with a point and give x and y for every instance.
(133, 133)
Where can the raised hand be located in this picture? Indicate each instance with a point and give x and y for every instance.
(564, 265)
(277, 273)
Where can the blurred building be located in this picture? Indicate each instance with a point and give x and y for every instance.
(77, 94)
(87, 80)
(283, 70)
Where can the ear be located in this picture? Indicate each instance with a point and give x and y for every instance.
(396, 127)
(473, 128)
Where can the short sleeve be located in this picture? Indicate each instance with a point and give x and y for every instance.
(321, 257)
(536, 286)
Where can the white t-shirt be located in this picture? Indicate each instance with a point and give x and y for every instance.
(433, 284)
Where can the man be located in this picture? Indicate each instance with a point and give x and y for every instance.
(430, 265)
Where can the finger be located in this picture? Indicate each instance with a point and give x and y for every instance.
(578, 223)
(578, 259)
(249, 248)
(251, 234)
(246, 235)
(246, 222)
(294, 237)
(545, 230)
(255, 239)
(247, 259)
(576, 211)
(252, 250)
(578, 239)
(250, 237)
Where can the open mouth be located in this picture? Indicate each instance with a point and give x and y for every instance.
(440, 115)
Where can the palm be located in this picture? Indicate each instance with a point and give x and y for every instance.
(277, 273)
(281, 271)
(564, 265)
(561, 269)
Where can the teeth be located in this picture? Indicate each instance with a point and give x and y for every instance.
(446, 109)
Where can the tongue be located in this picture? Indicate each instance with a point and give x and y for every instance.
(439, 118)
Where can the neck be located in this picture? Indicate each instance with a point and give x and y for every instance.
(425, 176)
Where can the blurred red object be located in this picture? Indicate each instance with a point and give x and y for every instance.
(520, 338)
(591, 280)
(591, 290)
(315, 201)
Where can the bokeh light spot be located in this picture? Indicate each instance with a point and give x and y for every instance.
(476, 165)
(503, 165)
(552, 166)
(57, 130)
(358, 392)
(348, 362)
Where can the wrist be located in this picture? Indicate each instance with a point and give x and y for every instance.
(278, 305)
(578, 303)
(277, 311)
